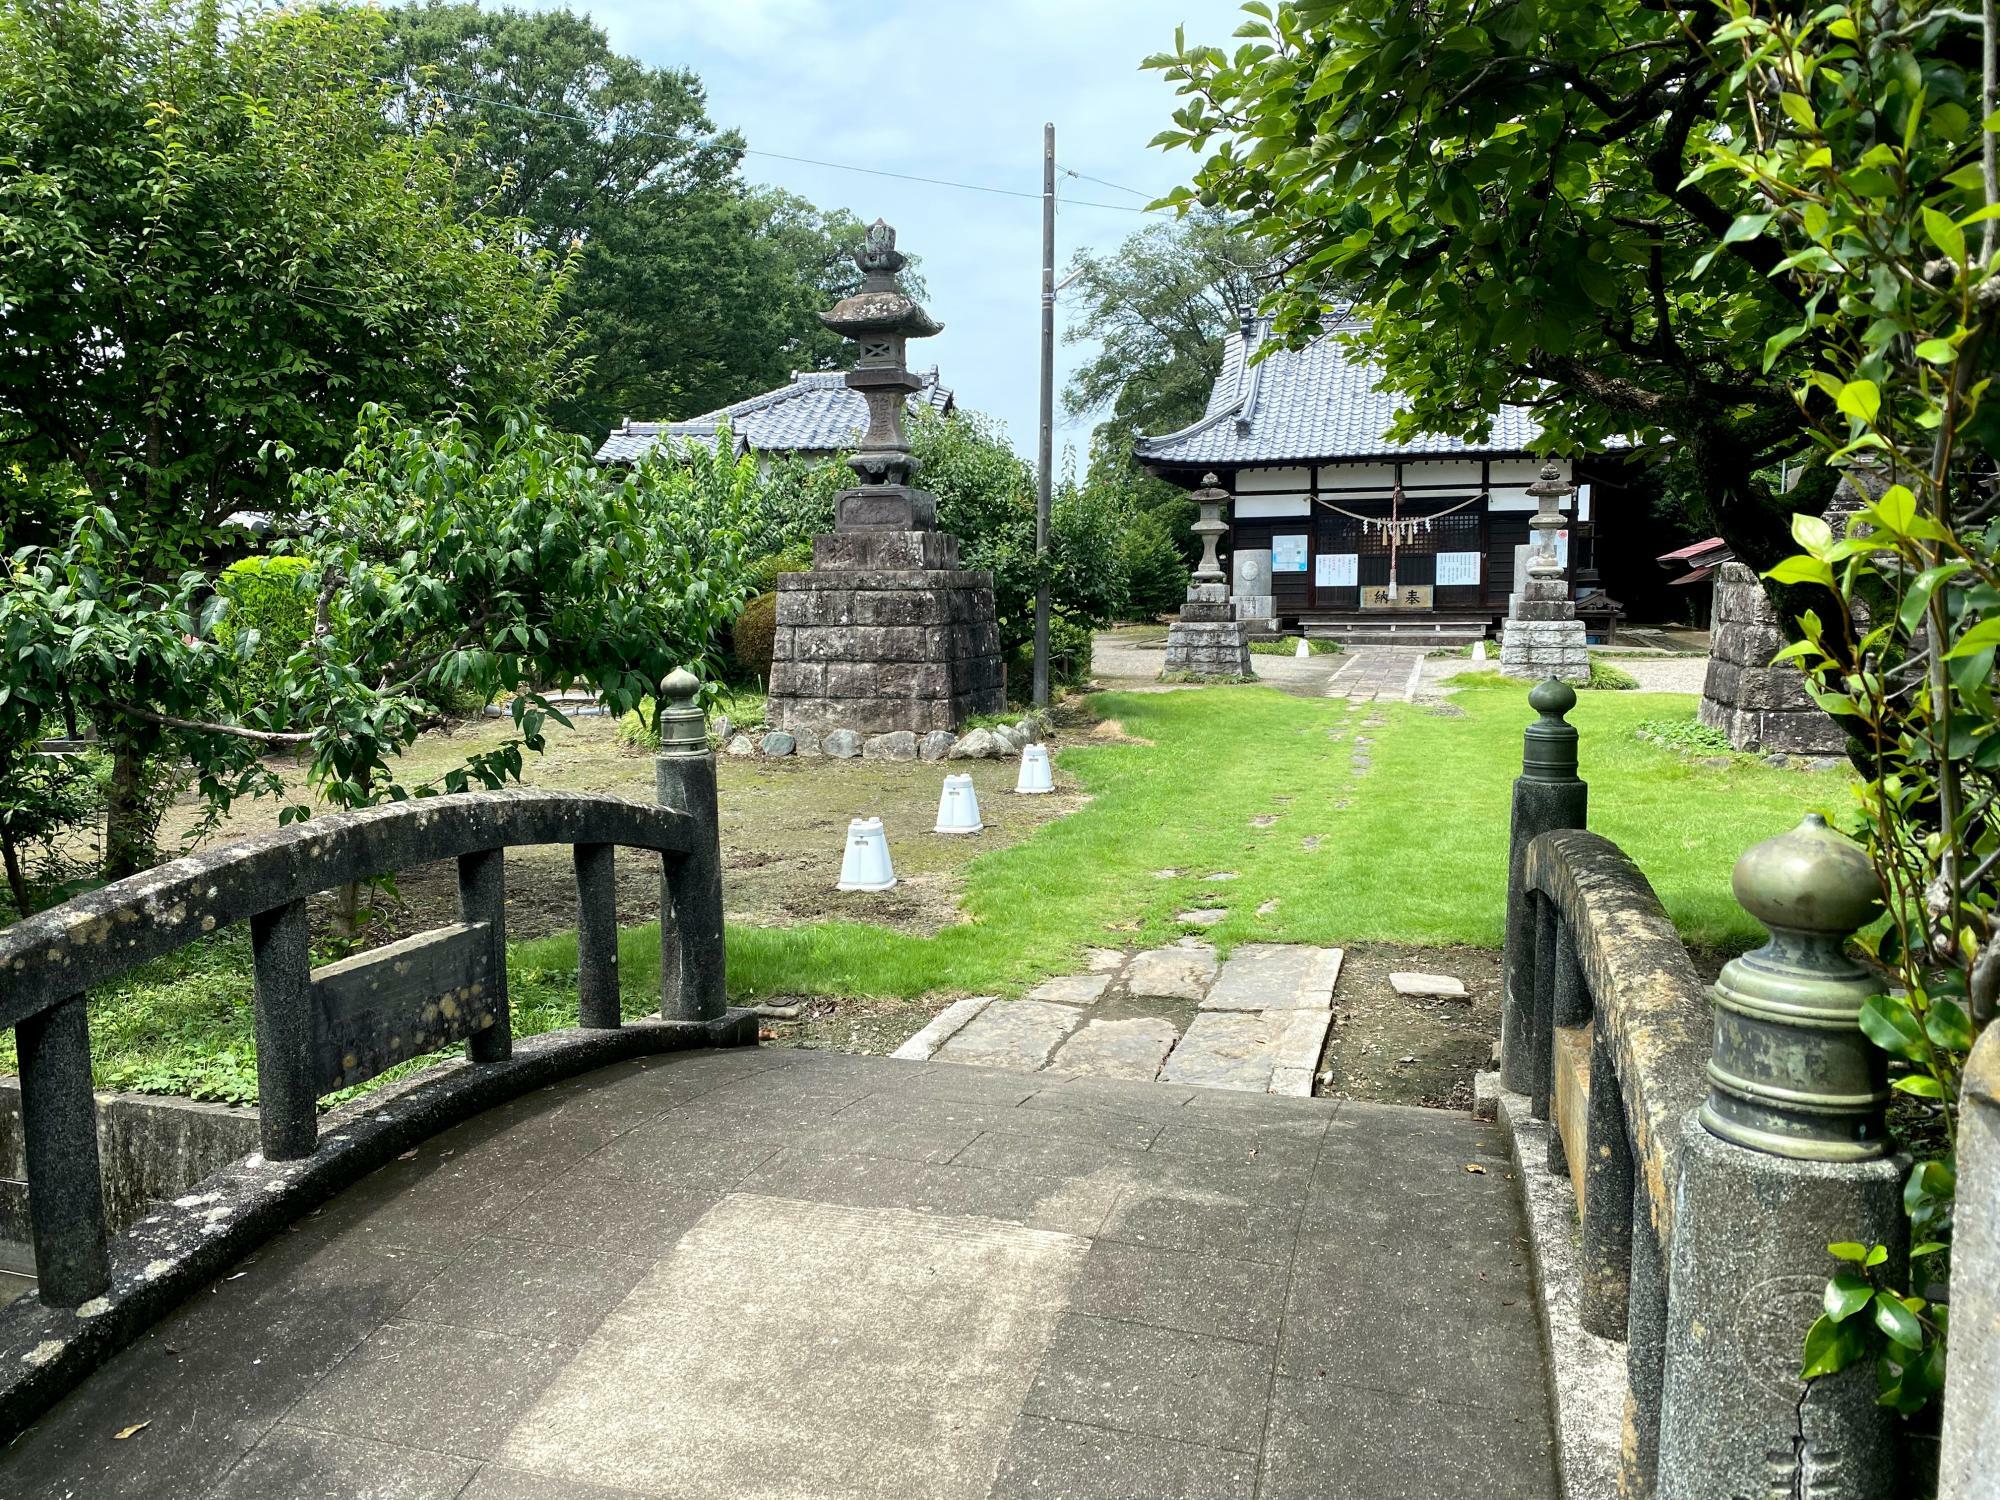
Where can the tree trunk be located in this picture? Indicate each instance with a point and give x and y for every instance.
(17, 879)
(347, 898)
(130, 819)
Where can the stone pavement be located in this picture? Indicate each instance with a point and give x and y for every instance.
(785, 1275)
(1257, 1022)
(1371, 672)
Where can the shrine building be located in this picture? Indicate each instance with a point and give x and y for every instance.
(1339, 531)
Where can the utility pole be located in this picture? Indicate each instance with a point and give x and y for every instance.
(1046, 450)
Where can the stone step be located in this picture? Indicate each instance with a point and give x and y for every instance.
(1256, 1023)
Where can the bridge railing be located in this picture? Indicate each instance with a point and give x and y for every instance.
(319, 1030)
(1717, 1139)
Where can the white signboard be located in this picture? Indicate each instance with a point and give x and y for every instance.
(1337, 570)
(1457, 569)
(1288, 554)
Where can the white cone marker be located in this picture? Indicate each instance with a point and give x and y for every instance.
(1479, 651)
(958, 807)
(1034, 775)
(865, 865)
(1304, 649)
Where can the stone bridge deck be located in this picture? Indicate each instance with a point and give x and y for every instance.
(768, 1273)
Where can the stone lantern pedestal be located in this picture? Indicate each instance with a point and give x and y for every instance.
(1208, 640)
(887, 632)
(1542, 637)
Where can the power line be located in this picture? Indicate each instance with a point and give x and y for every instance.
(809, 161)
(1114, 186)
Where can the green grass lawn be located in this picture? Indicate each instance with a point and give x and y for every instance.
(1410, 850)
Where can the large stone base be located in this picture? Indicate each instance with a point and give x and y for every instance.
(1749, 1265)
(887, 632)
(1207, 641)
(1538, 649)
(1760, 706)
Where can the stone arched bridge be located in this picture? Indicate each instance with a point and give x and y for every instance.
(654, 1259)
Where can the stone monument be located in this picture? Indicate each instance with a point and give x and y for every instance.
(1760, 704)
(886, 632)
(1542, 637)
(1208, 640)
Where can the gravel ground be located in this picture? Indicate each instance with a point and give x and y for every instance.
(1665, 674)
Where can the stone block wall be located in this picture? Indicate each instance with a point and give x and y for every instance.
(865, 644)
(1758, 705)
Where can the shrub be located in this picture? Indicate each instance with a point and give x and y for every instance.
(273, 597)
(42, 799)
(753, 636)
(1069, 659)
(765, 572)
(1606, 678)
(1156, 578)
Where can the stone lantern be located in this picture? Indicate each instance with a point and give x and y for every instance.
(1208, 640)
(1542, 637)
(887, 633)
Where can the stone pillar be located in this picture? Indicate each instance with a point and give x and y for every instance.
(1548, 794)
(693, 977)
(1542, 636)
(886, 632)
(1972, 1397)
(1758, 703)
(1788, 1154)
(1208, 640)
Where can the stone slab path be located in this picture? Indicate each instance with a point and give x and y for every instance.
(784, 1275)
(1256, 1023)
(1371, 672)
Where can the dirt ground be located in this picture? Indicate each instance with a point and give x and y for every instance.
(784, 825)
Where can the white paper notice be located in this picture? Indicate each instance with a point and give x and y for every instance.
(1336, 570)
(1288, 554)
(1457, 569)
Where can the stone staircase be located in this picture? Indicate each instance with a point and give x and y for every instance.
(1255, 1023)
(1429, 631)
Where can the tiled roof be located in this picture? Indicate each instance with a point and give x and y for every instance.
(1319, 402)
(816, 413)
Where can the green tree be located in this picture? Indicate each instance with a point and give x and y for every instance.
(1514, 190)
(1157, 308)
(1859, 130)
(694, 288)
(212, 252)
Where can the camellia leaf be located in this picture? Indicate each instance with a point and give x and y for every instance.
(1802, 570)
(1897, 1322)
(1945, 234)
(1830, 1348)
(1936, 351)
(1860, 399)
(1891, 1025)
(1846, 1295)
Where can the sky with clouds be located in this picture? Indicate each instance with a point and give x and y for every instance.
(948, 89)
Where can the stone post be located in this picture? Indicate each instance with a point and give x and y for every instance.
(1542, 636)
(1208, 640)
(1788, 1154)
(692, 974)
(1972, 1398)
(1548, 795)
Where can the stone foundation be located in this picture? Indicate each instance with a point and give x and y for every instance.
(886, 633)
(1206, 641)
(1542, 637)
(1760, 706)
